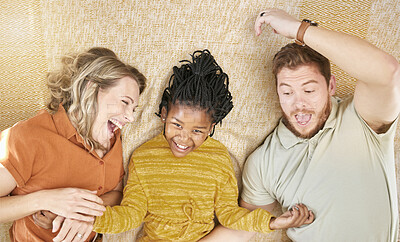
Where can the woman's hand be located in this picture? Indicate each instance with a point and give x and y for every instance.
(297, 216)
(71, 230)
(74, 203)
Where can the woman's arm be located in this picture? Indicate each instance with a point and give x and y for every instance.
(72, 203)
(45, 218)
(70, 228)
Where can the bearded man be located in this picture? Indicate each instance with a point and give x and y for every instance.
(335, 156)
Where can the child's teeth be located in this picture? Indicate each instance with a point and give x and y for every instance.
(181, 146)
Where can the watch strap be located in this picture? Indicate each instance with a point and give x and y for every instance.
(302, 30)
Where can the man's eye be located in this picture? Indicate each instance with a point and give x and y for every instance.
(177, 125)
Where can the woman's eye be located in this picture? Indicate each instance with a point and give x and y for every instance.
(125, 102)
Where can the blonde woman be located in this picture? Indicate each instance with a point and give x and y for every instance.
(69, 161)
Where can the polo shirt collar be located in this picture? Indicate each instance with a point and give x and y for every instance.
(288, 139)
(63, 124)
(66, 129)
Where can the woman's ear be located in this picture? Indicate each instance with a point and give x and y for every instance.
(163, 115)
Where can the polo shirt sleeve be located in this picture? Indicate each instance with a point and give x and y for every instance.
(254, 181)
(17, 154)
(130, 213)
(229, 213)
(387, 136)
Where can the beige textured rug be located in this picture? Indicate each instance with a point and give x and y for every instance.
(153, 35)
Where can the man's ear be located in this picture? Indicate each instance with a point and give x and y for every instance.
(332, 85)
(163, 115)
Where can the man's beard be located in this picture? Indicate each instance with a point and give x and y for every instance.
(321, 122)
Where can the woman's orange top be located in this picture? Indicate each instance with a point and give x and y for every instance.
(46, 152)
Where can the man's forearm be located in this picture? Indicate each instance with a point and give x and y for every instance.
(354, 55)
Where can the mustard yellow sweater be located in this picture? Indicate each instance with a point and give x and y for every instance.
(176, 197)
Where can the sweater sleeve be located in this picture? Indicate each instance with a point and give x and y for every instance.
(231, 215)
(130, 213)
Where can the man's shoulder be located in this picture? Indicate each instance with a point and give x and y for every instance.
(261, 152)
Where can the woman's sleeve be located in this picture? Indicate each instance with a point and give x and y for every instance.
(17, 154)
(231, 215)
(130, 213)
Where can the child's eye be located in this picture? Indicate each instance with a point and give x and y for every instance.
(197, 131)
(177, 125)
(309, 91)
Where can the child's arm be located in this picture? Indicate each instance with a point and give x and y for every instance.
(255, 219)
(232, 216)
(130, 213)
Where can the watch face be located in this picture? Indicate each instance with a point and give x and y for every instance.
(312, 23)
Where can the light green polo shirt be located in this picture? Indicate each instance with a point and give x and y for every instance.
(345, 174)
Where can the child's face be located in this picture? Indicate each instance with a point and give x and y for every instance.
(186, 128)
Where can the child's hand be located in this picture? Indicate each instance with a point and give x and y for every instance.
(294, 217)
(44, 219)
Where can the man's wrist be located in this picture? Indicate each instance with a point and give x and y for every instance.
(302, 30)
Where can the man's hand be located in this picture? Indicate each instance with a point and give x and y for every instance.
(297, 216)
(281, 22)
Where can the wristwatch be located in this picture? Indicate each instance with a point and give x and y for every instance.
(302, 29)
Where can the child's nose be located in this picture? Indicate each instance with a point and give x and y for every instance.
(183, 134)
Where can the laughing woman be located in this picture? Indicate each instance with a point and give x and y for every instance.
(69, 161)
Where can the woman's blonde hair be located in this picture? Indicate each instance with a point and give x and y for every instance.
(76, 85)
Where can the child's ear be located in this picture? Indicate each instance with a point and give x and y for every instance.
(211, 128)
(163, 115)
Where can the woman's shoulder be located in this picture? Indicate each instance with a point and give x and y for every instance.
(36, 124)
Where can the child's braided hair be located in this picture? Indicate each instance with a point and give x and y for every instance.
(200, 84)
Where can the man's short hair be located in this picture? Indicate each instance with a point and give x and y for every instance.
(293, 55)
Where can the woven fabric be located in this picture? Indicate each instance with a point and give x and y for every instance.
(153, 35)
